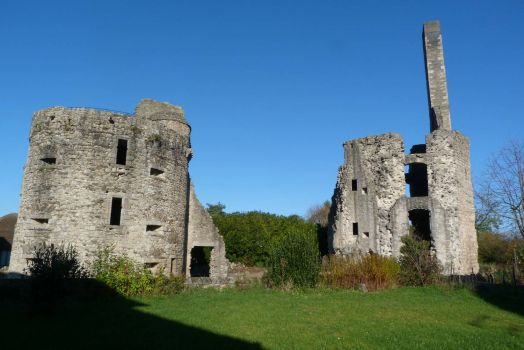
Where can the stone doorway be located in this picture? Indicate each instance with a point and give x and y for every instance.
(420, 226)
(200, 261)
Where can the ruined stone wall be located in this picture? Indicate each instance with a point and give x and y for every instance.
(371, 189)
(203, 232)
(439, 207)
(369, 183)
(70, 201)
(450, 184)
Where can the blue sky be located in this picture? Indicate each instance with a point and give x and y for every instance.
(271, 88)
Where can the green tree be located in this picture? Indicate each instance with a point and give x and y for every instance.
(215, 209)
(248, 236)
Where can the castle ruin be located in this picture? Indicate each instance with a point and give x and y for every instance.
(97, 178)
(371, 209)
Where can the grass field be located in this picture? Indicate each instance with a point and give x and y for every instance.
(406, 318)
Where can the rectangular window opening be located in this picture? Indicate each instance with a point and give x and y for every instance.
(116, 211)
(41, 220)
(48, 160)
(354, 184)
(155, 172)
(121, 152)
(150, 228)
(355, 228)
(150, 265)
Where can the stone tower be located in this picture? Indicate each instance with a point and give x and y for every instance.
(97, 178)
(382, 193)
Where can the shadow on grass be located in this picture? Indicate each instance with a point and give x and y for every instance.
(506, 297)
(94, 318)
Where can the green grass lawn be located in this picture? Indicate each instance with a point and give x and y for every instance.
(406, 318)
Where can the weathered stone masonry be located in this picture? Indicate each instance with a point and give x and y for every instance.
(371, 210)
(95, 178)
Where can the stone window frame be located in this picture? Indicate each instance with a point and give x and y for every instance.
(159, 231)
(48, 154)
(156, 166)
(35, 217)
(424, 160)
(114, 153)
(109, 200)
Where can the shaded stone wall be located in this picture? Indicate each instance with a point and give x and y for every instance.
(72, 175)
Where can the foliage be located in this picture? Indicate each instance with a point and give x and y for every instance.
(319, 214)
(294, 259)
(55, 262)
(487, 217)
(248, 236)
(129, 278)
(169, 285)
(501, 257)
(418, 267)
(216, 209)
(376, 272)
(494, 248)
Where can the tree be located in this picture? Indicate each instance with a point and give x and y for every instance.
(319, 214)
(503, 191)
(248, 236)
(487, 217)
(494, 248)
(215, 209)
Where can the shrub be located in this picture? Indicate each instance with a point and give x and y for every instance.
(374, 271)
(51, 262)
(169, 285)
(129, 278)
(494, 248)
(418, 267)
(249, 236)
(294, 259)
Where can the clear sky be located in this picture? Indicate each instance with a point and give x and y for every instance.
(271, 88)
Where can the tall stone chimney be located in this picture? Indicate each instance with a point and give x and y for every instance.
(439, 116)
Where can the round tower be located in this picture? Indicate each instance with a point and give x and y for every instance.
(98, 178)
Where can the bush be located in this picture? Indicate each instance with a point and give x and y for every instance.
(494, 248)
(129, 278)
(374, 271)
(52, 262)
(249, 236)
(418, 267)
(294, 259)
